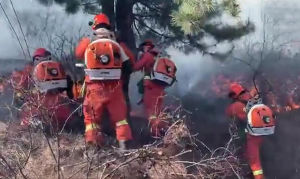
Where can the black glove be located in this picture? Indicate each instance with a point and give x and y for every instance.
(70, 84)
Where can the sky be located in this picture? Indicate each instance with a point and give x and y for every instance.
(66, 22)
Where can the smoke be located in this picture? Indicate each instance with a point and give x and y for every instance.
(275, 37)
(42, 26)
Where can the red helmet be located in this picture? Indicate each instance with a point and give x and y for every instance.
(100, 19)
(148, 42)
(41, 52)
(235, 90)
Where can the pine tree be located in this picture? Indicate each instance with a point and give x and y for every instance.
(180, 23)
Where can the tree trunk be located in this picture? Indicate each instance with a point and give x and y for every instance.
(124, 21)
(108, 8)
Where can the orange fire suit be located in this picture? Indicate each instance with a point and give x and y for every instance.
(253, 143)
(20, 82)
(100, 96)
(39, 105)
(153, 94)
(22, 79)
(50, 108)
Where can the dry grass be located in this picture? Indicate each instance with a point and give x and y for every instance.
(33, 153)
(27, 154)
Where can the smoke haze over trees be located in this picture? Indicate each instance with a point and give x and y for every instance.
(221, 39)
(184, 24)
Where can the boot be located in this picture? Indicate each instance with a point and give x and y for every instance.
(124, 145)
(94, 138)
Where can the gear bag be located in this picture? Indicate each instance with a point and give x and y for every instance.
(49, 75)
(164, 71)
(260, 118)
(103, 60)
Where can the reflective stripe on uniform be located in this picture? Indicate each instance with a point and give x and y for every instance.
(147, 78)
(257, 172)
(153, 117)
(121, 123)
(44, 86)
(103, 74)
(82, 90)
(92, 126)
(162, 77)
(260, 131)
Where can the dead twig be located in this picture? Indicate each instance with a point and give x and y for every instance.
(121, 165)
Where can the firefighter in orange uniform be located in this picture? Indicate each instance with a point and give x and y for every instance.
(158, 74)
(104, 60)
(20, 80)
(255, 119)
(47, 103)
